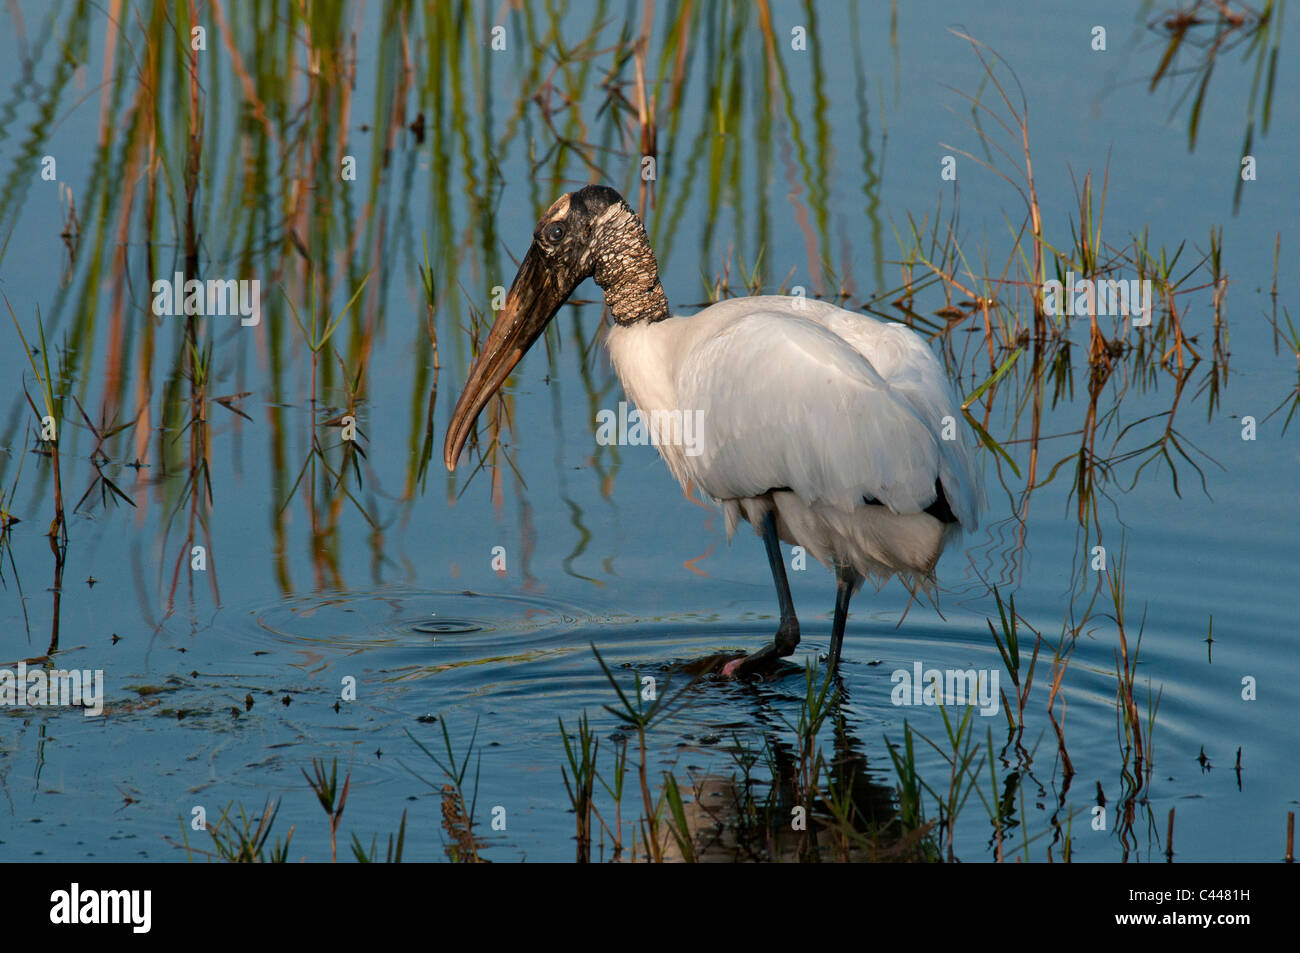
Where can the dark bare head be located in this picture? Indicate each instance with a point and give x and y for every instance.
(590, 233)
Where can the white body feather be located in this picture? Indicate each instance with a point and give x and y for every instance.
(821, 405)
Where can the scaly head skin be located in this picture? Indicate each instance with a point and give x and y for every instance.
(590, 233)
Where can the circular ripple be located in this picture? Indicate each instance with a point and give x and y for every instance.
(407, 618)
(447, 627)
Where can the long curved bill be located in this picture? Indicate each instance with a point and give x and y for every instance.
(534, 297)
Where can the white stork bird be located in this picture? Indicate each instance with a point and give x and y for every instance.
(822, 427)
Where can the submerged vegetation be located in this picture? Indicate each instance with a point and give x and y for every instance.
(245, 160)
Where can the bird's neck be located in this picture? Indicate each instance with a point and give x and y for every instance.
(627, 271)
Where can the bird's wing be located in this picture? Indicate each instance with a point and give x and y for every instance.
(789, 403)
(915, 374)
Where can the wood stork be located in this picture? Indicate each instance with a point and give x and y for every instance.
(822, 427)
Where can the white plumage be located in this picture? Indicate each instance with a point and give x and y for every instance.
(827, 407)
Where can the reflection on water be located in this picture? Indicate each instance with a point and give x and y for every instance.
(246, 527)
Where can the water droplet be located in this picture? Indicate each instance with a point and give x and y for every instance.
(447, 627)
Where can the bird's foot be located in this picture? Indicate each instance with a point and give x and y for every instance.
(761, 662)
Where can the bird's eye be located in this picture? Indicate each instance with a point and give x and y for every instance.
(554, 232)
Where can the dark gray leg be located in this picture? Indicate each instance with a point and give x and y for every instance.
(787, 634)
(845, 581)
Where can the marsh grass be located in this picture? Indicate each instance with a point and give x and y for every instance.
(393, 854)
(109, 491)
(959, 754)
(247, 838)
(1291, 338)
(58, 531)
(459, 805)
(641, 718)
(1008, 642)
(317, 338)
(580, 780)
(911, 805)
(331, 799)
(7, 518)
(242, 840)
(1208, 30)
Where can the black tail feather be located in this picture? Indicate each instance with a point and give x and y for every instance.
(939, 509)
